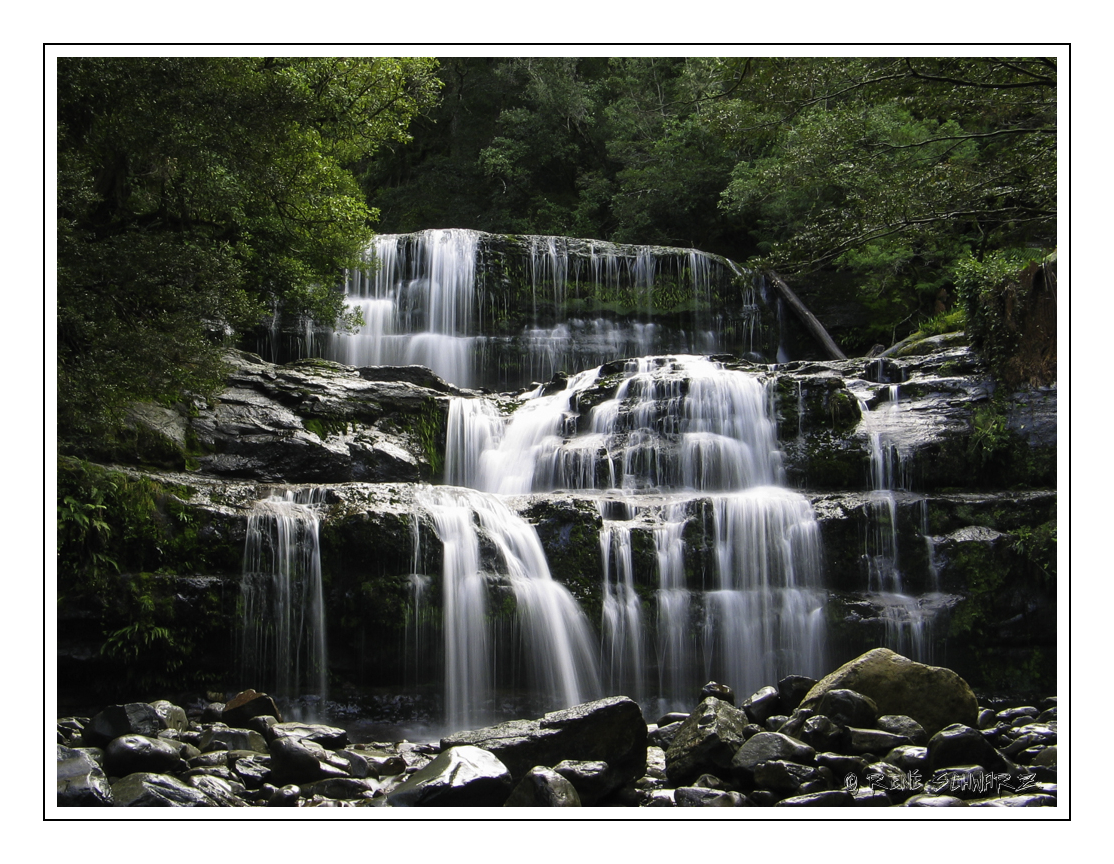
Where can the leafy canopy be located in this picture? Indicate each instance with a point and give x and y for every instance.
(198, 195)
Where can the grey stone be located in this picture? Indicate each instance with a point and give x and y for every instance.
(766, 746)
(899, 724)
(221, 737)
(961, 745)
(462, 776)
(762, 705)
(607, 730)
(132, 718)
(329, 737)
(830, 798)
(706, 742)
(543, 787)
(592, 780)
(861, 741)
(81, 782)
(171, 716)
(698, 796)
(130, 754)
(157, 790)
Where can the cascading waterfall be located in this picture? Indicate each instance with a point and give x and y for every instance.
(555, 634)
(283, 636)
(908, 627)
(424, 300)
(417, 298)
(678, 431)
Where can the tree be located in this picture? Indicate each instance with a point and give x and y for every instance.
(196, 196)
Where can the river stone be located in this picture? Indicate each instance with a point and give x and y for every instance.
(297, 762)
(81, 782)
(899, 724)
(845, 707)
(462, 776)
(934, 801)
(698, 796)
(591, 780)
(706, 742)
(222, 792)
(822, 734)
(287, 796)
(762, 705)
(131, 754)
(933, 696)
(961, 745)
(779, 775)
(221, 737)
(862, 741)
(830, 798)
(907, 757)
(718, 691)
(253, 770)
(542, 787)
(329, 737)
(247, 704)
(344, 788)
(792, 689)
(157, 790)
(608, 730)
(766, 746)
(133, 718)
(172, 716)
(1015, 801)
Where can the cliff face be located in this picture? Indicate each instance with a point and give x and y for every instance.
(915, 468)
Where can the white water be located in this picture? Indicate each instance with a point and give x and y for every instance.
(678, 431)
(283, 648)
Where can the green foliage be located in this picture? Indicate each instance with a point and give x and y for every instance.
(196, 196)
(1010, 306)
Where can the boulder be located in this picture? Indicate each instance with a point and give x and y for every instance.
(81, 782)
(329, 737)
(762, 705)
(172, 716)
(791, 690)
(462, 776)
(767, 746)
(830, 798)
(591, 780)
(157, 790)
(130, 754)
(706, 742)
(608, 730)
(133, 718)
(297, 762)
(542, 787)
(697, 796)
(718, 691)
(845, 707)
(899, 724)
(961, 745)
(221, 737)
(246, 705)
(933, 696)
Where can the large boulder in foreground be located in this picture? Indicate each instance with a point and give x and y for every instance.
(933, 696)
(461, 777)
(607, 730)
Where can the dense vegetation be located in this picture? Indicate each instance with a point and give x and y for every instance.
(196, 196)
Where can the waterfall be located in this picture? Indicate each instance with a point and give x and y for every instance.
(908, 628)
(417, 299)
(665, 437)
(555, 634)
(496, 311)
(283, 635)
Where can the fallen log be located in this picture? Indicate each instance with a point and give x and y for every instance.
(811, 322)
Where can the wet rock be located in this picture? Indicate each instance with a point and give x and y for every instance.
(130, 754)
(823, 734)
(899, 724)
(933, 696)
(219, 790)
(934, 801)
(252, 770)
(907, 757)
(287, 796)
(762, 705)
(157, 790)
(1015, 801)
(592, 780)
(774, 724)
(696, 796)
(792, 689)
(297, 762)
(962, 781)
(718, 691)
(896, 783)
(246, 705)
(782, 776)
(221, 737)
(672, 717)
(171, 716)
(542, 787)
(871, 798)
(1010, 715)
(462, 776)
(343, 788)
(608, 730)
(830, 798)
(845, 707)
(663, 736)
(961, 745)
(81, 782)
(860, 741)
(329, 737)
(768, 746)
(706, 742)
(842, 766)
(133, 718)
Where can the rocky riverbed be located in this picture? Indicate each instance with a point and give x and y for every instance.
(880, 731)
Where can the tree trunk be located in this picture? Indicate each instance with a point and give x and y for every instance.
(812, 324)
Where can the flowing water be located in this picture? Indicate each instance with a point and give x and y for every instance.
(283, 648)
